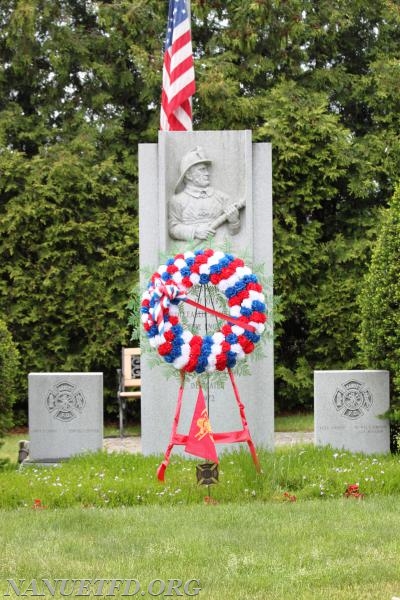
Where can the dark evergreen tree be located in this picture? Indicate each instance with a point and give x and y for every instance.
(379, 302)
(80, 84)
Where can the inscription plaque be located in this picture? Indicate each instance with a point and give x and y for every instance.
(348, 409)
(65, 415)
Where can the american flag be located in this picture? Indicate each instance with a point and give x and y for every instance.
(178, 83)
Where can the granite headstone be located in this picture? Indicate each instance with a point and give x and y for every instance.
(347, 410)
(65, 415)
(240, 173)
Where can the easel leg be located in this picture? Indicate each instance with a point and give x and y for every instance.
(244, 422)
(163, 467)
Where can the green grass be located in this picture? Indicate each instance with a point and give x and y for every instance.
(122, 479)
(295, 422)
(336, 550)
(106, 516)
(129, 430)
(9, 449)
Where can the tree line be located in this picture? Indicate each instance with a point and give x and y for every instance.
(80, 84)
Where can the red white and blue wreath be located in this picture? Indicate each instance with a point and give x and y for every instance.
(169, 286)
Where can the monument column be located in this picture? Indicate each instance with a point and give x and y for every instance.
(194, 187)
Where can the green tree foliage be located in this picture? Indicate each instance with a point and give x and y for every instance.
(380, 303)
(9, 366)
(72, 107)
(80, 85)
(319, 79)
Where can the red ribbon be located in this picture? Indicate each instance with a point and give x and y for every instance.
(216, 313)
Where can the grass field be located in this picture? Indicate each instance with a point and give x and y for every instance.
(288, 533)
(334, 549)
(295, 422)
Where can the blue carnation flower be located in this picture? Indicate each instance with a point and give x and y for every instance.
(207, 343)
(215, 268)
(201, 363)
(175, 352)
(230, 292)
(204, 279)
(253, 337)
(190, 261)
(185, 272)
(250, 278)
(177, 342)
(258, 306)
(224, 262)
(152, 331)
(177, 330)
(230, 359)
(231, 338)
(165, 276)
(246, 312)
(240, 285)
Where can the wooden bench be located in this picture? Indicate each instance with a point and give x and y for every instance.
(129, 382)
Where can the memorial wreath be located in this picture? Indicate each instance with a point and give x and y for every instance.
(169, 286)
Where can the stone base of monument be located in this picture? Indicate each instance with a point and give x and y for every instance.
(65, 416)
(348, 406)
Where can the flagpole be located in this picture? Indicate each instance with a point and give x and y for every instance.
(189, 12)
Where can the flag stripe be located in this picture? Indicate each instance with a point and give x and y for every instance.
(178, 81)
(181, 95)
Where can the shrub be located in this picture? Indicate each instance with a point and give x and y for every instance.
(9, 362)
(380, 308)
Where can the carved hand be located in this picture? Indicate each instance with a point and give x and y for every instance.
(232, 213)
(203, 232)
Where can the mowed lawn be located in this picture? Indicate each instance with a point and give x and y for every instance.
(333, 548)
(287, 534)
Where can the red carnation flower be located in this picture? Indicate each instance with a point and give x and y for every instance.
(186, 282)
(256, 287)
(227, 272)
(172, 269)
(258, 317)
(195, 342)
(220, 362)
(238, 262)
(165, 348)
(200, 259)
(226, 329)
(225, 347)
(215, 278)
(246, 344)
(238, 299)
